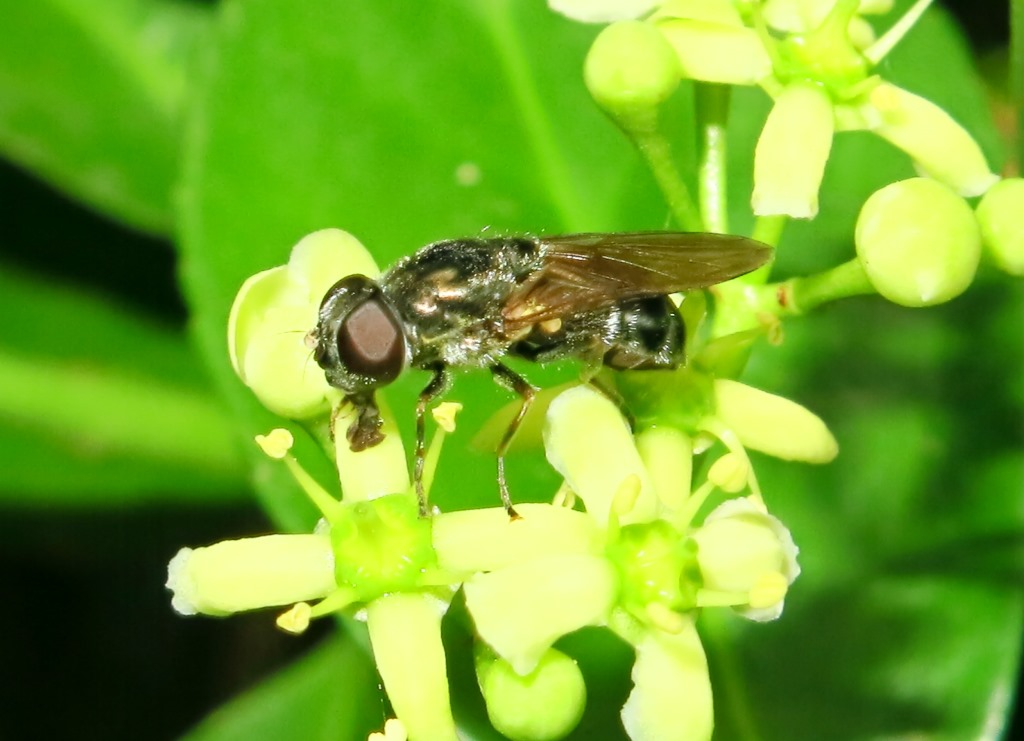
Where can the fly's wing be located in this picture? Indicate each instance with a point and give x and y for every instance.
(584, 272)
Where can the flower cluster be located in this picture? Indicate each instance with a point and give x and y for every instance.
(642, 557)
(815, 58)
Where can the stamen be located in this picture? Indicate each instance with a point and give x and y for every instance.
(276, 443)
(295, 620)
(877, 51)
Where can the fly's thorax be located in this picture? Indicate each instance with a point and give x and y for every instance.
(449, 296)
(361, 341)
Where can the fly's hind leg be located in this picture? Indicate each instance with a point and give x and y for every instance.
(514, 382)
(437, 386)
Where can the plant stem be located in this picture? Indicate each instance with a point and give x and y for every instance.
(800, 295)
(655, 148)
(768, 229)
(712, 103)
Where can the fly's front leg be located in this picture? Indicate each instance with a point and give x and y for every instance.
(514, 382)
(437, 386)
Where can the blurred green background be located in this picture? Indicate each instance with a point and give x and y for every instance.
(156, 153)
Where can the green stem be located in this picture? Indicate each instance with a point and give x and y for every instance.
(768, 229)
(1017, 74)
(657, 152)
(800, 295)
(712, 102)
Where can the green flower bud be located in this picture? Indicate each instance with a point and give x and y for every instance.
(772, 424)
(1001, 217)
(520, 611)
(544, 705)
(587, 440)
(919, 242)
(740, 544)
(790, 157)
(630, 70)
(671, 698)
(251, 573)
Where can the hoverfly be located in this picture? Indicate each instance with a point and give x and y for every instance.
(467, 303)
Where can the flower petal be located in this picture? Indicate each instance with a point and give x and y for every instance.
(772, 424)
(486, 539)
(251, 573)
(322, 258)
(940, 146)
(717, 52)
(790, 157)
(587, 440)
(376, 471)
(671, 698)
(405, 631)
(738, 544)
(601, 11)
(523, 609)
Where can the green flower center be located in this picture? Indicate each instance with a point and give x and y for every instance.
(381, 546)
(656, 565)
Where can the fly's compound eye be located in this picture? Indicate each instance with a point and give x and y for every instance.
(360, 342)
(371, 342)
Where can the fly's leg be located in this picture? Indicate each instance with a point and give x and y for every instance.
(514, 382)
(437, 386)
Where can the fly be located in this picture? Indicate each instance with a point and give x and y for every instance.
(467, 303)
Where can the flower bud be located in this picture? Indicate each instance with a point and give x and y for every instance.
(630, 70)
(1001, 217)
(543, 705)
(918, 241)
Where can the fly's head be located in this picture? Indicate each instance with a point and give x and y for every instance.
(359, 339)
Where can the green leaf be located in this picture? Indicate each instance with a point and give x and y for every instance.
(100, 407)
(92, 96)
(376, 124)
(332, 693)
